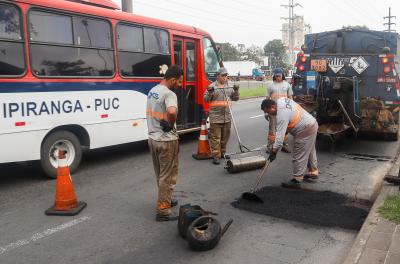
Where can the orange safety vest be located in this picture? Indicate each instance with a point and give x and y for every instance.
(154, 114)
(219, 103)
(296, 119)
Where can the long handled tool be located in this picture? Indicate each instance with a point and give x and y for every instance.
(251, 196)
(245, 159)
(242, 147)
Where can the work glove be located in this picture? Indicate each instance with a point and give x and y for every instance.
(236, 87)
(272, 156)
(165, 125)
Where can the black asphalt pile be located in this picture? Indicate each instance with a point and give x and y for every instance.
(311, 207)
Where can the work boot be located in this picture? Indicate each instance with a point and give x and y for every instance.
(292, 184)
(164, 218)
(216, 161)
(310, 178)
(285, 149)
(174, 202)
(268, 149)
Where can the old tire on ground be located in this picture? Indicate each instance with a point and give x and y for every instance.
(50, 145)
(203, 233)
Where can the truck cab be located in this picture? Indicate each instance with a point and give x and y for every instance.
(349, 79)
(258, 74)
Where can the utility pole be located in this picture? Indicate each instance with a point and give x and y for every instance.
(390, 23)
(291, 28)
(127, 5)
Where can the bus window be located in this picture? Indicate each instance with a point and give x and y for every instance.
(92, 33)
(12, 60)
(190, 62)
(156, 41)
(50, 28)
(211, 64)
(142, 51)
(65, 55)
(130, 38)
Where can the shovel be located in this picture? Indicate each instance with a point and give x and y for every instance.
(251, 196)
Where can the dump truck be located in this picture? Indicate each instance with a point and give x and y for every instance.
(349, 80)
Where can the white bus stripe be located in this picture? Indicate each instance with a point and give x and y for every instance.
(40, 235)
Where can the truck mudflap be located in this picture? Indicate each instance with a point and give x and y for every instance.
(376, 117)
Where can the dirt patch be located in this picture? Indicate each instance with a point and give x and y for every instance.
(311, 207)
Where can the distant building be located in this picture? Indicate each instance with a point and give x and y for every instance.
(299, 30)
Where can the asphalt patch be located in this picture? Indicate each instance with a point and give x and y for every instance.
(310, 207)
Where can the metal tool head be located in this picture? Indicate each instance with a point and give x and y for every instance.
(250, 196)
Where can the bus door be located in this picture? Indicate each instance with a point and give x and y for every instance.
(185, 55)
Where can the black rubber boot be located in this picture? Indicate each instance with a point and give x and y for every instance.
(292, 184)
(165, 218)
(216, 161)
(310, 178)
(285, 149)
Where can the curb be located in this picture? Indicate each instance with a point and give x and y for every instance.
(373, 217)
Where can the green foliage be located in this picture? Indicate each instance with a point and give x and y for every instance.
(355, 27)
(229, 52)
(276, 51)
(391, 208)
(253, 53)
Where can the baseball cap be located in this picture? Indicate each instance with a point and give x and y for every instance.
(278, 71)
(222, 71)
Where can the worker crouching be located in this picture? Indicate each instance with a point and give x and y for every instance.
(291, 117)
(219, 95)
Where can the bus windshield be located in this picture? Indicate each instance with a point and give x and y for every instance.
(211, 62)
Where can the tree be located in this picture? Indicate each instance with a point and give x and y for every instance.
(229, 52)
(356, 27)
(276, 51)
(253, 53)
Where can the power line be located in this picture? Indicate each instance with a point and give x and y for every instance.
(389, 23)
(201, 18)
(229, 18)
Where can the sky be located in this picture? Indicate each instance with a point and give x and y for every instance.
(258, 21)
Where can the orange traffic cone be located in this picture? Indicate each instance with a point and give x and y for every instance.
(66, 202)
(203, 151)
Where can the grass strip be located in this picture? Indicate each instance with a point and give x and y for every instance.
(391, 208)
(252, 92)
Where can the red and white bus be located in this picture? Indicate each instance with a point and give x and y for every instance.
(75, 75)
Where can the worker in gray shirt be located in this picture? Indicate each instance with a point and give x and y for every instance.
(278, 88)
(219, 95)
(291, 117)
(162, 111)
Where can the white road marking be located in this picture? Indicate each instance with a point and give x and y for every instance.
(256, 116)
(40, 235)
(248, 101)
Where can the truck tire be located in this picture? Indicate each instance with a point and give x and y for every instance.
(203, 233)
(60, 139)
(393, 136)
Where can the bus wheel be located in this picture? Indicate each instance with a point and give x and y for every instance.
(393, 136)
(50, 146)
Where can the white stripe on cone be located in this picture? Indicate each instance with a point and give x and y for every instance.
(62, 163)
(203, 137)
